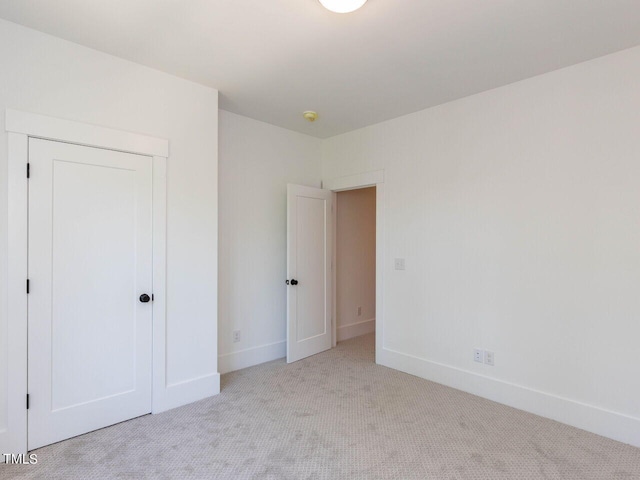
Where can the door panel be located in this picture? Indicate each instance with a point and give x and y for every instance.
(309, 263)
(89, 261)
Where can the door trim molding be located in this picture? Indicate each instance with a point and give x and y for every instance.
(14, 439)
(21, 126)
(353, 182)
(51, 128)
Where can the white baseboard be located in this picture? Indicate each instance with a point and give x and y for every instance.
(352, 330)
(231, 362)
(614, 425)
(182, 393)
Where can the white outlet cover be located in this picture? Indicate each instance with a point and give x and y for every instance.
(478, 355)
(489, 358)
(399, 263)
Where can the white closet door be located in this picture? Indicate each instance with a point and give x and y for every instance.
(90, 263)
(309, 271)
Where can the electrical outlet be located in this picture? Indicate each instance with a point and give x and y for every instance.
(236, 336)
(399, 263)
(489, 358)
(359, 311)
(478, 355)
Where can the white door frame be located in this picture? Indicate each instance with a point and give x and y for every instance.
(354, 182)
(21, 126)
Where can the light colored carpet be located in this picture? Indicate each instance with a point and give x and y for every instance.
(333, 416)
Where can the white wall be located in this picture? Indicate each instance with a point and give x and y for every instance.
(355, 262)
(46, 75)
(257, 161)
(518, 213)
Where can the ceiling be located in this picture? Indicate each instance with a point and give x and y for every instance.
(273, 59)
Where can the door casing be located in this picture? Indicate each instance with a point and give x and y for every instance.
(353, 182)
(21, 126)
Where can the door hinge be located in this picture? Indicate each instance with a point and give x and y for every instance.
(28, 286)
(28, 170)
(27, 401)
(153, 297)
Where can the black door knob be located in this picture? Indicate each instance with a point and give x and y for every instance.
(294, 281)
(144, 298)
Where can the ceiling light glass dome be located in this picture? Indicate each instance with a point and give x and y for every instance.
(342, 6)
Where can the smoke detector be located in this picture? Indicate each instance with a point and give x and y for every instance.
(310, 116)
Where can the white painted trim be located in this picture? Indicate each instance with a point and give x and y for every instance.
(189, 391)
(14, 439)
(381, 267)
(160, 394)
(334, 272)
(230, 362)
(352, 330)
(597, 420)
(352, 182)
(20, 127)
(50, 128)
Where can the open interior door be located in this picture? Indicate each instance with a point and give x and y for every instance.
(309, 245)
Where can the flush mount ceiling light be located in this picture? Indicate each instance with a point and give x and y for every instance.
(342, 6)
(310, 116)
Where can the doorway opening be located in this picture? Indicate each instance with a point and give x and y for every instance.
(355, 265)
